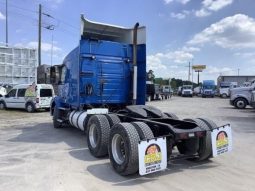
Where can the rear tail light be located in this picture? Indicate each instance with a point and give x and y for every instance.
(37, 100)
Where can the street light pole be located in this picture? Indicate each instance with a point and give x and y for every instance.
(39, 34)
(6, 22)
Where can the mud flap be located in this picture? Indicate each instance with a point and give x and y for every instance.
(221, 140)
(152, 155)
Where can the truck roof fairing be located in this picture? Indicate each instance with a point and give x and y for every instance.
(100, 31)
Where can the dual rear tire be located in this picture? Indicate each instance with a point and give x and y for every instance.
(107, 136)
(202, 146)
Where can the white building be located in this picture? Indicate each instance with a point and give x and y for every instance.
(18, 65)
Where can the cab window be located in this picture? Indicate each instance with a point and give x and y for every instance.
(21, 92)
(12, 93)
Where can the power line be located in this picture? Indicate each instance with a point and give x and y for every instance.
(17, 7)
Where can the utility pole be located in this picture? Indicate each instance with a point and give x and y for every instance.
(39, 34)
(51, 49)
(189, 73)
(6, 23)
(238, 70)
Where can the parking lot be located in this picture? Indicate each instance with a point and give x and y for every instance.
(35, 156)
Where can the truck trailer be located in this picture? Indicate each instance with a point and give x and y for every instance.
(102, 91)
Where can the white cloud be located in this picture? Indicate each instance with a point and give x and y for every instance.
(208, 6)
(235, 32)
(164, 63)
(178, 15)
(179, 56)
(215, 5)
(2, 16)
(179, 1)
(154, 63)
(216, 70)
(45, 47)
(202, 13)
(190, 49)
(248, 56)
(181, 15)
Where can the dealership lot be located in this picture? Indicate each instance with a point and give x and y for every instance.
(35, 156)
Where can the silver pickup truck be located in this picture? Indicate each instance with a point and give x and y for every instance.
(242, 96)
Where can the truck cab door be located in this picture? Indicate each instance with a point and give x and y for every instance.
(11, 99)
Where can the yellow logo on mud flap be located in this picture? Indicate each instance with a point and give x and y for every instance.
(152, 155)
(221, 139)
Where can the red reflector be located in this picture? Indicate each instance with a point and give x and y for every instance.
(37, 100)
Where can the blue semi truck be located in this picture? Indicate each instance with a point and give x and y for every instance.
(102, 90)
(208, 88)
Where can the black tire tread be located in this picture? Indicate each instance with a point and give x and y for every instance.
(104, 129)
(56, 124)
(33, 106)
(205, 143)
(113, 119)
(143, 130)
(133, 136)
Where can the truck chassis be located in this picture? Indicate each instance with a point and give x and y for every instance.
(118, 133)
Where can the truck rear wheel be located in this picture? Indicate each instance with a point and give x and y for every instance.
(123, 148)
(56, 123)
(143, 130)
(98, 130)
(112, 119)
(205, 143)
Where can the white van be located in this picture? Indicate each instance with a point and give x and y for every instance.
(29, 97)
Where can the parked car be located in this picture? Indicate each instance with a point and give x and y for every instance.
(241, 97)
(29, 97)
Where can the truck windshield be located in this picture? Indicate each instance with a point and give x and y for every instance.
(45, 93)
(208, 87)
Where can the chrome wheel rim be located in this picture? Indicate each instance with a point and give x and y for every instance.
(93, 135)
(118, 149)
(240, 104)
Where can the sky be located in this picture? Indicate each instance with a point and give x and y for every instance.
(217, 33)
